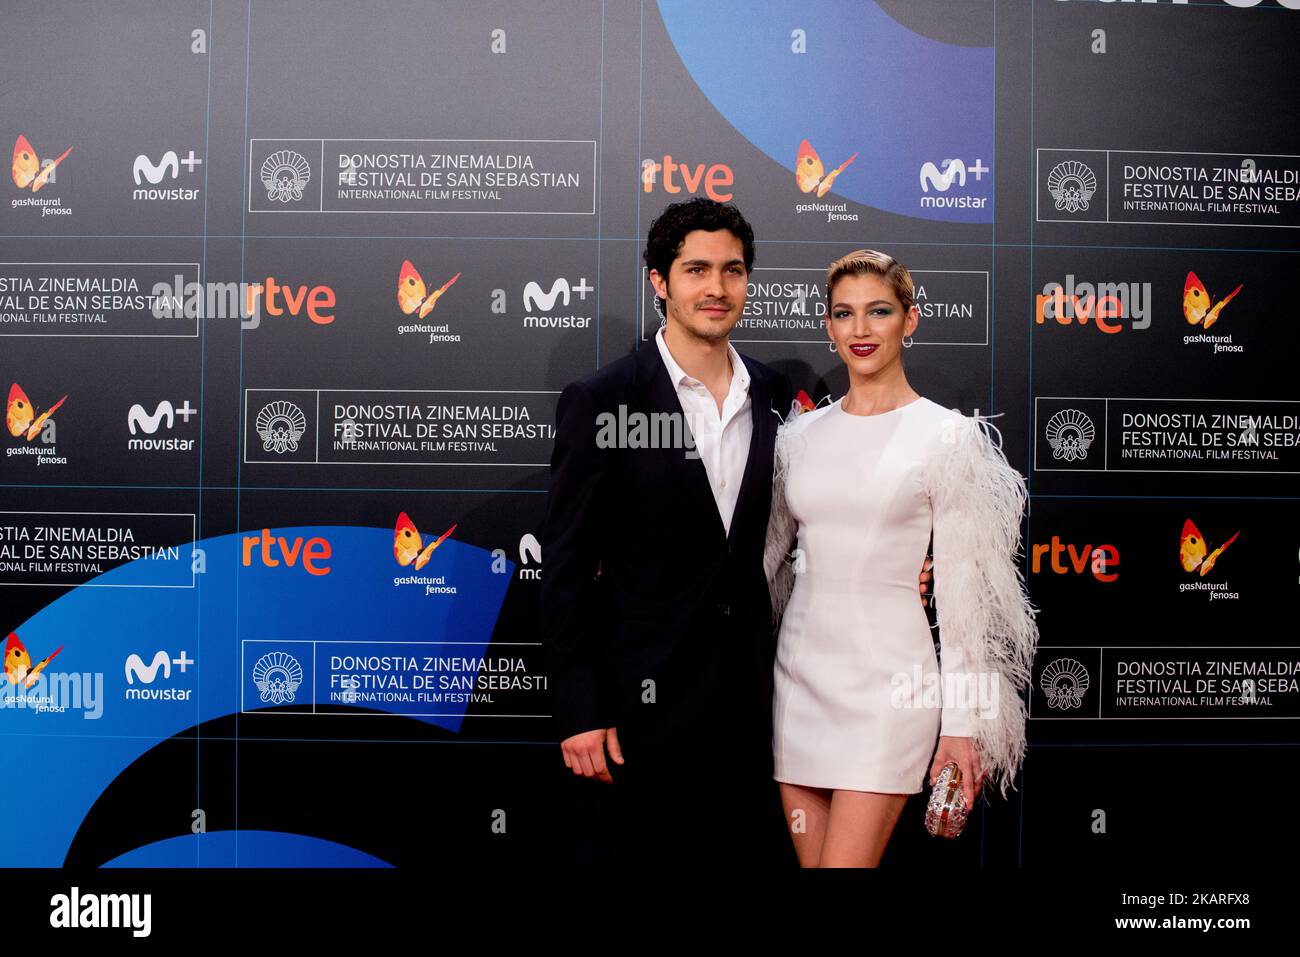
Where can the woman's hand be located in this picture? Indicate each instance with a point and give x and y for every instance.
(924, 580)
(966, 754)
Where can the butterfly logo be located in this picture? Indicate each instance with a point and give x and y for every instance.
(1192, 549)
(18, 663)
(1197, 303)
(808, 170)
(407, 542)
(412, 294)
(27, 167)
(20, 414)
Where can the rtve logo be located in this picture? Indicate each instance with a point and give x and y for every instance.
(716, 176)
(315, 550)
(1102, 561)
(273, 295)
(1101, 302)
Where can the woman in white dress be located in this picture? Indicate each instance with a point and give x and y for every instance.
(861, 486)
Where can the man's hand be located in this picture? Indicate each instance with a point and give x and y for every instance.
(925, 578)
(584, 754)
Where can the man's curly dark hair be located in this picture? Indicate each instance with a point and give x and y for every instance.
(668, 232)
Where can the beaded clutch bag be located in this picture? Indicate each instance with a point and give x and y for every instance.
(946, 814)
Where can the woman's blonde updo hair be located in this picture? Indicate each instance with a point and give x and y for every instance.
(863, 262)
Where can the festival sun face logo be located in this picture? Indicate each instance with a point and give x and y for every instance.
(408, 546)
(278, 677)
(1195, 554)
(1199, 307)
(412, 294)
(285, 174)
(809, 173)
(20, 415)
(27, 169)
(1072, 185)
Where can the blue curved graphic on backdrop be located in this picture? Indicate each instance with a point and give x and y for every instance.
(866, 84)
(60, 762)
(255, 849)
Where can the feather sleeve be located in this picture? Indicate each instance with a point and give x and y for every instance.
(987, 631)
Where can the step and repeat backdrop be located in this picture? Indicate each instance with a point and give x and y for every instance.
(289, 290)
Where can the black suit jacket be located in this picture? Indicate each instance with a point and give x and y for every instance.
(679, 601)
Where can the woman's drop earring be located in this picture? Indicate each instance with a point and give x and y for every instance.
(907, 342)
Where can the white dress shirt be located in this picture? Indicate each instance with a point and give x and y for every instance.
(721, 440)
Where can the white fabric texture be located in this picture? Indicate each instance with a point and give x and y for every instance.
(722, 440)
(861, 697)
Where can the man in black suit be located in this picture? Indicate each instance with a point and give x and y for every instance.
(656, 615)
(655, 610)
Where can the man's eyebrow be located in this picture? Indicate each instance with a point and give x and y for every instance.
(706, 262)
